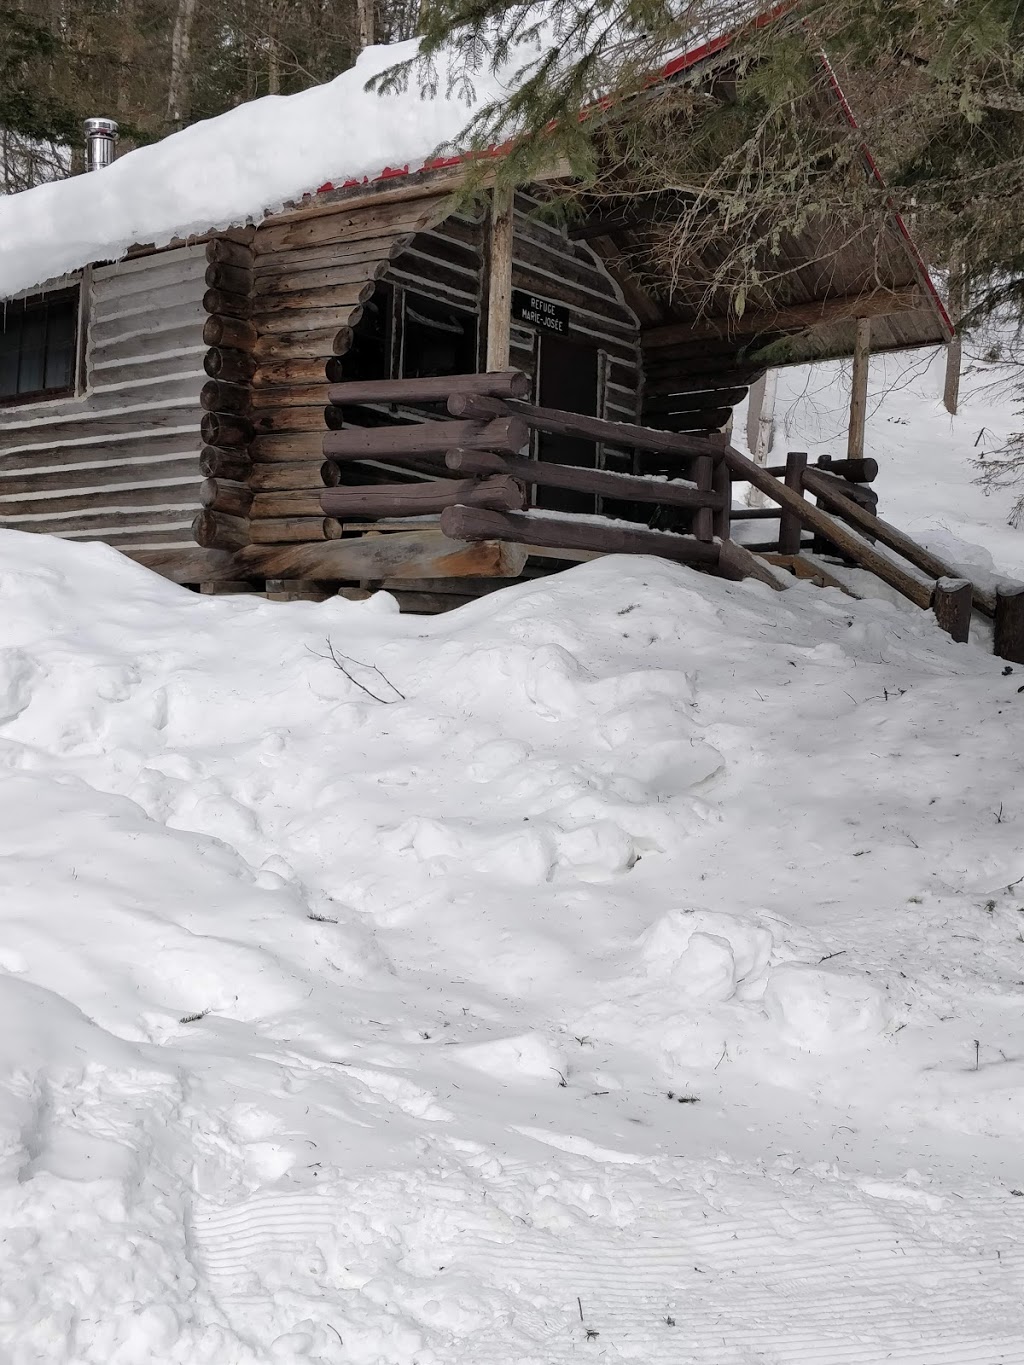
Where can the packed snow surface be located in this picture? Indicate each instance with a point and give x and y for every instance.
(627, 966)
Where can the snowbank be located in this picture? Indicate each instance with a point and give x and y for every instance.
(644, 978)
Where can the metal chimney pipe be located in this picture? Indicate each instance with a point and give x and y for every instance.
(100, 142)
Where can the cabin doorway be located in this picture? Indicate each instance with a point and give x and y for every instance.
(567, 378)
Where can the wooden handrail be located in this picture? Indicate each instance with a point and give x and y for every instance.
(846, 540)
(908, 549)
(431, 388)
(601, 482)
(559, 423)
(568, 533)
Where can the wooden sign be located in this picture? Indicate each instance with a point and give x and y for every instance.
(541, 313)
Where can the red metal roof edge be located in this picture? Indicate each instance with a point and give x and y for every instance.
(686, 61)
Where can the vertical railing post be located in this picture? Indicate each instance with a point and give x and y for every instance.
(1009, 624)
(704, 478)
(721, 482)
(859, 393)
(789, 525)
(952, 606)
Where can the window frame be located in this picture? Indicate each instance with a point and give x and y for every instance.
(72, 291)
(457, 307)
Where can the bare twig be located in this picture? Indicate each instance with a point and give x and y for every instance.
(337, 658)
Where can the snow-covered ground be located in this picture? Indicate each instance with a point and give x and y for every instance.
(636, 975)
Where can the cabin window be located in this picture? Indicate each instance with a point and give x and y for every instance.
(370, 353)
(38, 346)
(437, 339)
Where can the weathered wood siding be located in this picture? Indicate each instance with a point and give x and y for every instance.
(446, 262)
(312, 273)
(118, 463)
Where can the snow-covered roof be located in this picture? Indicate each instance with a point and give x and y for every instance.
(254, 159)
(227, 170)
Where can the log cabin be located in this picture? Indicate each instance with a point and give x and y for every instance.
(377, 382)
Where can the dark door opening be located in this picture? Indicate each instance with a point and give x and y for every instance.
(567, 379)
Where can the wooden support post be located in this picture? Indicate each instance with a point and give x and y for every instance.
(499, 289)
(721, 482)
(1009, 620)
(951, 387)
(955, 348)
(859, 393)
(789, 525)
(952, 605)
(703, 477)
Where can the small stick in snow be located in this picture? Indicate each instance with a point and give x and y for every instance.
(336, 658)
(829, 956)
(977, 1054)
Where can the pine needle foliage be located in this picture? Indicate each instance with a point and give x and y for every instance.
(754, 144)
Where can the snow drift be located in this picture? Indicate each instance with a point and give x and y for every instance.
(642, 975)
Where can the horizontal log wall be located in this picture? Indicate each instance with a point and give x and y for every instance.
(120, 462)
(312, 276)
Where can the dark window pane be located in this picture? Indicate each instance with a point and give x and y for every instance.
(438, 339)
(60, 347)
(38, 342)
(33, 351)
(368, 356)
(10, 346)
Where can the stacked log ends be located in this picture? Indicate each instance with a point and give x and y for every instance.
(223, 524)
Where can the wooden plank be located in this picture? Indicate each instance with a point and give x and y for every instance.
(928, 563)
(839, 535)
(736, 562)
(406, 554)
(859, 389)
(952, 607)
(809, 571)
(470, 523)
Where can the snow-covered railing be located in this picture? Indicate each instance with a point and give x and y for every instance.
(842, 519)
(481, 439)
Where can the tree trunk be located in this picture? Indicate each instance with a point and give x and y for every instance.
(181, 42)
(365, 22)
